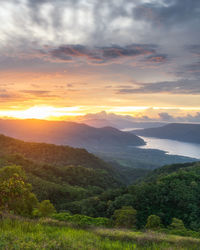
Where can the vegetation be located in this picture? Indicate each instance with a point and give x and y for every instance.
(82, 220)
(48, 234)
(15, 192)
(45, 209)
(153, 222)
(125, 217)
(57, 198)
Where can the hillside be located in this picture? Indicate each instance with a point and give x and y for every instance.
(107, 143)
(50, 153)
(68, 133)
(59, 173)
(169, 192)
(62, 184)
(173, 131)
(20, 234)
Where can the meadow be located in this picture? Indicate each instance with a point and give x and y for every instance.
(19, 233)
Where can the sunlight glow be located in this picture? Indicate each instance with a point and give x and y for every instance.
(41, 112)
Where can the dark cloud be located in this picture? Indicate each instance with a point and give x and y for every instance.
(190, 70)
(169, 12)
(100, 55)
(184, 86)
(194, 49)
(157, 58)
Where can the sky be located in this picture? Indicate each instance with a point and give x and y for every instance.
(65, 58)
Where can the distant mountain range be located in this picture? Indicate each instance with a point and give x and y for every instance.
(108, 143)
(68, 133)
(174, 131)
(104, 119)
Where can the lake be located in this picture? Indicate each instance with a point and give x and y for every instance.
(173, 147)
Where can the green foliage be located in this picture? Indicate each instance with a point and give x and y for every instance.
(125, 217)
(82, 220)
(45, 209)
(153, 222)
(62, 185)
(177, 224)
(15, 192)
(23, 234)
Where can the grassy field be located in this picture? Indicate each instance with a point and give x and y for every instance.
(27, 234)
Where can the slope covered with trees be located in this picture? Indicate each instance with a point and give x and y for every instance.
(68, 133)
(169, 192)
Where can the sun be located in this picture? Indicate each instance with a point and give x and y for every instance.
(42, 112)
(35, 113)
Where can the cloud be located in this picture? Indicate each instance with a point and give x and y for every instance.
(169, 12)
(185, 118)
(38, 93)
(157, 58)
(183, 86)
(194, 49)
(165, 116)
(101, 55)
(124, 121)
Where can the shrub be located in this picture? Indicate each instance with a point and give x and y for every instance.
(153, 222)
(125, 217)
(82, 220)
(177, 224)
(45, 209)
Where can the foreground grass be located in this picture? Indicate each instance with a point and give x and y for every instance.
(22, 234)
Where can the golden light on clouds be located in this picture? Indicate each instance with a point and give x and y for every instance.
(41, 112)
(70, 113)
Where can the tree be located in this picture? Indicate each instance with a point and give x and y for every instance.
(125, 217)
(46, 208)
(15, 192)
(153, 222)
(177, 224)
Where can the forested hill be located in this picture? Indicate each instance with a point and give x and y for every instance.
(68, 133)
(169, 192)
(57, 155)
(61, 174)
(51, 154)
(173, 131)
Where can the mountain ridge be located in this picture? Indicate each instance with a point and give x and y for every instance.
(184, 132)
(67, 133)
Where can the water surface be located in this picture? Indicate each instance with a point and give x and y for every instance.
(172, 147)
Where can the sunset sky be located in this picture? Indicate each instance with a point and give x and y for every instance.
(66, 58)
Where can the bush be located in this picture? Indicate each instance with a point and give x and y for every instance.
(45, 209)
(177, 224)
(153, 222)
(125, 217)
(82, 220)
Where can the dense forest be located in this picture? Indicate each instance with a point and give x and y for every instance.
(76, 181)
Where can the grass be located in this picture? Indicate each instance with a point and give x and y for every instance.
(23, 234)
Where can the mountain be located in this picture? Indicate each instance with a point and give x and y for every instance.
(51, 154)
(59, 173)
(108, 143)
(174, 131)
(168, 192)
(68, 133)
(104, 119)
